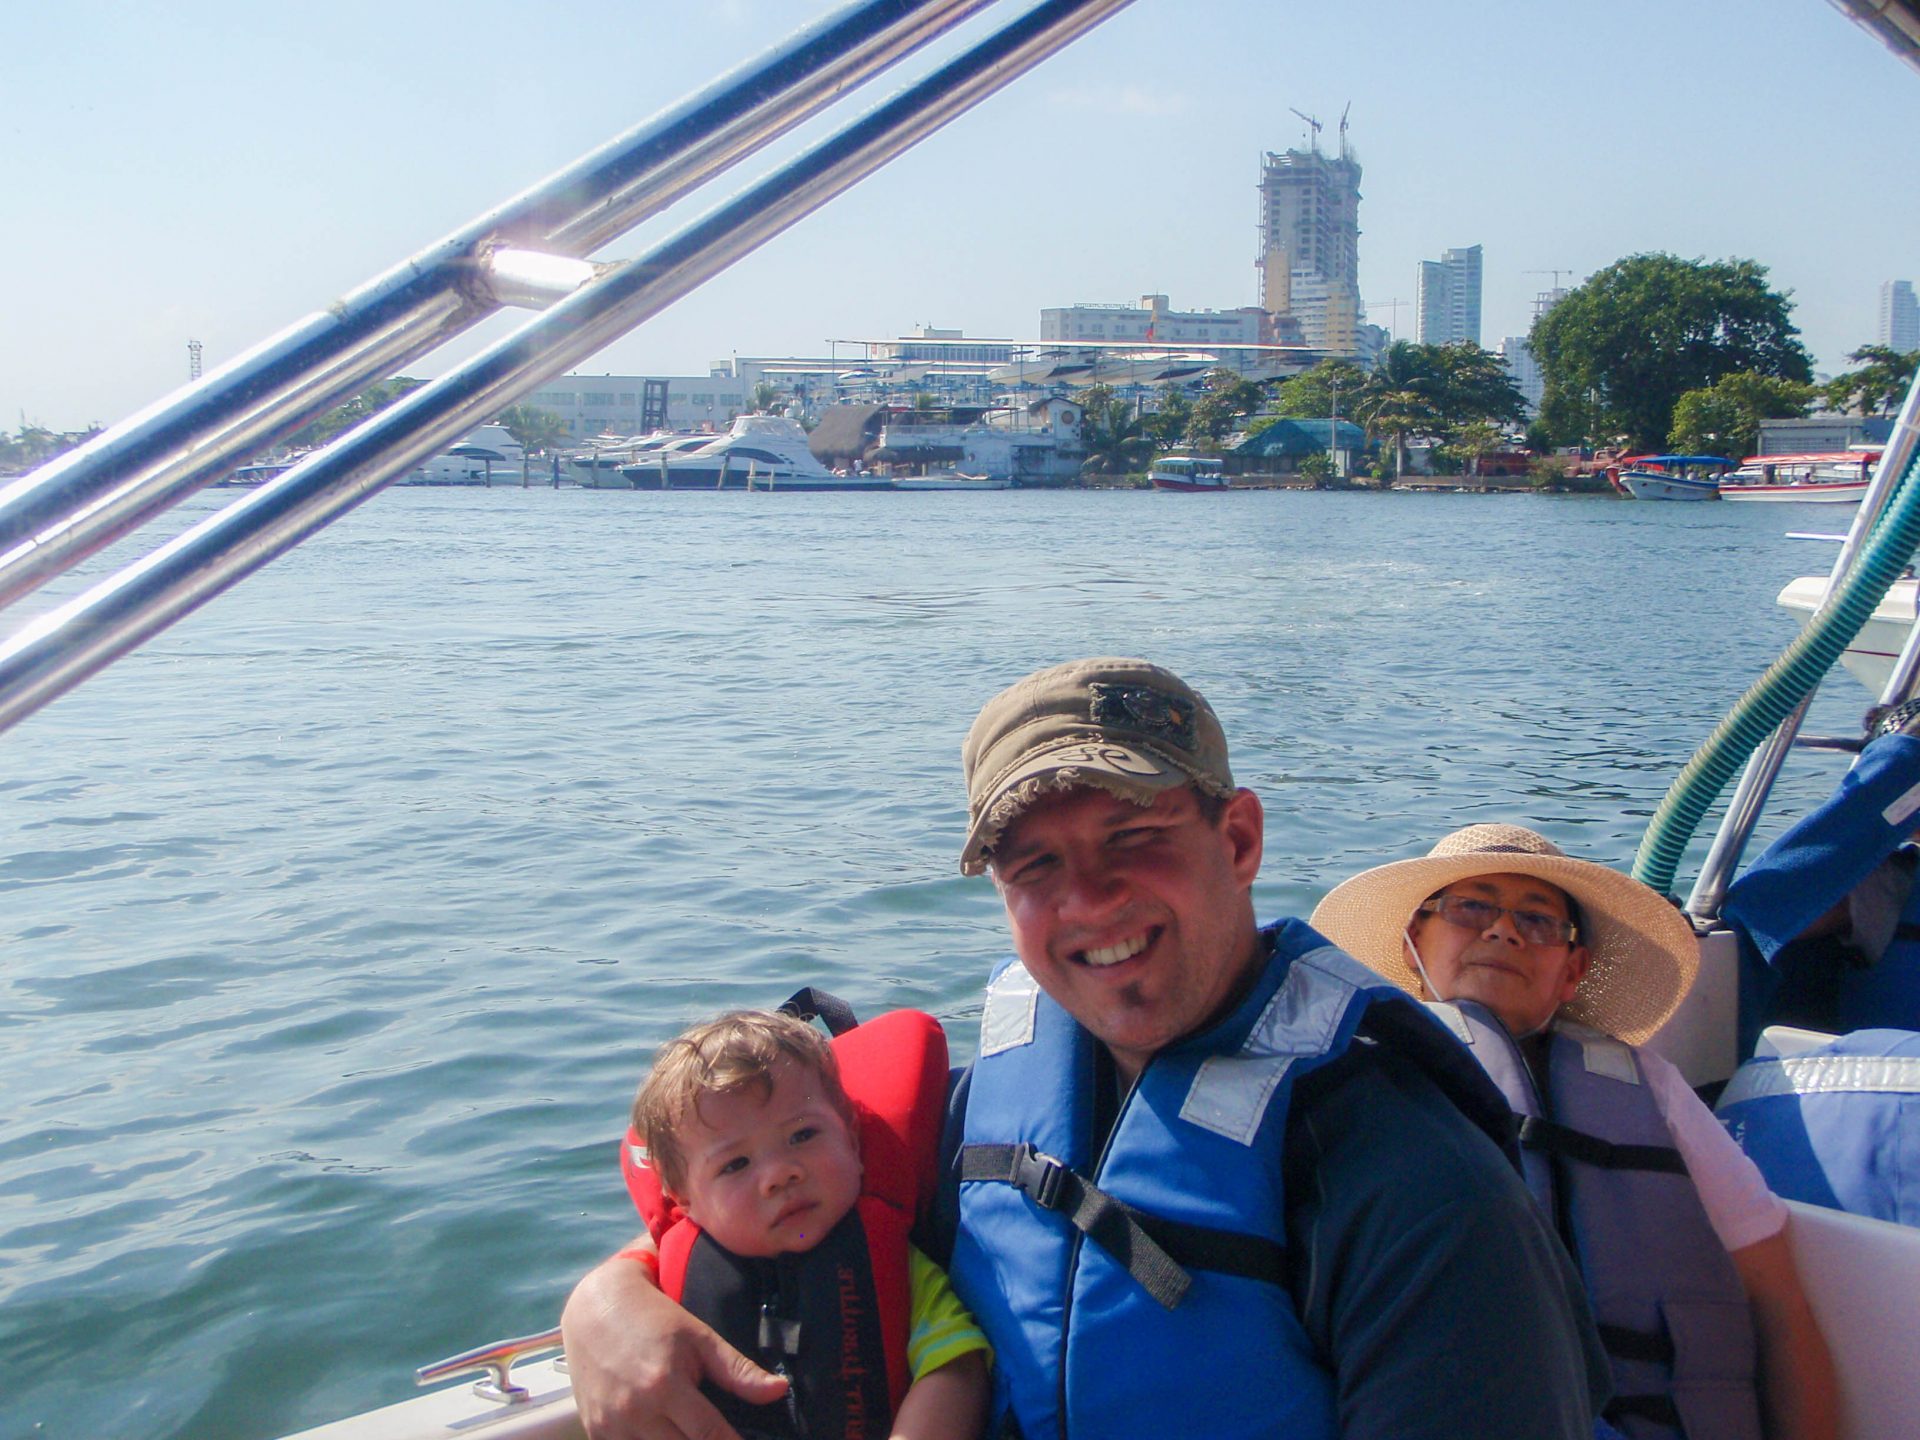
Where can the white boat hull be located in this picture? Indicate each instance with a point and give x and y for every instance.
(1839, 492)
(1646, 485)
(1869, 659)
(953, 482)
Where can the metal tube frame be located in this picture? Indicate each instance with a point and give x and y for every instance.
(58, 650)
(1763, 766)
(55, 517)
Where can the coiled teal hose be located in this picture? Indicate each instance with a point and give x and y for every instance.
(1787, 682)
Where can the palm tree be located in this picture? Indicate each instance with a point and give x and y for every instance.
(1396, 414)
(1116, 439)
(535, 430)
(765, 396)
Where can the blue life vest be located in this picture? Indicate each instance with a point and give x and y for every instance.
(1838, 1126)
(1599, 1158)
(1093, 1275)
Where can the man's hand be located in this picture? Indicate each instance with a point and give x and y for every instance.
(637, 1359)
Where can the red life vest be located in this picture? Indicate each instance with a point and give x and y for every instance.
(849, 1294)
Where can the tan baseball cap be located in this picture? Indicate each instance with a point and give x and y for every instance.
(1124, 726)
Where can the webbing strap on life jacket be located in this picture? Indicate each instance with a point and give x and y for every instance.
(1155, 1251)
(1646, 1345)
(1654, 1409)
(1538, 1134)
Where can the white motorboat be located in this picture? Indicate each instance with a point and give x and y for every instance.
(1870, 655)
(1673, 477)
(1048, 368)
(758, 452)
(1836, 479)
(600, 465)
(952, 480)
(489, 456)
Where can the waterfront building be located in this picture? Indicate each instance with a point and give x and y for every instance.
(1447, 299)
(948, 349)
(635, 404)
(1281, 445)
(1309, 260)
(1899, 317)
(1823, 434)
(1151, 322)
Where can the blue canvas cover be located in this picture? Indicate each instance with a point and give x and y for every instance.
(1838, 1126)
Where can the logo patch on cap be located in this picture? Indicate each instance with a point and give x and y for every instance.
(1143, 708)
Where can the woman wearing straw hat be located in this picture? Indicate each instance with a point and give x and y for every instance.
(1554, 971)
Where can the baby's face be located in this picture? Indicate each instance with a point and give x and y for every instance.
(770, 1176)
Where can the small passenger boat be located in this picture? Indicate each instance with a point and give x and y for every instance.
(1673, 477)
(1834, 479)
(1188, 472)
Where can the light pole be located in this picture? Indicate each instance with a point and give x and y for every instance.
(1333, 426)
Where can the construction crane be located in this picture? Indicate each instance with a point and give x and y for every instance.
(1343, 130)
(1316, 127)
(1556, 274)
(1395, 306)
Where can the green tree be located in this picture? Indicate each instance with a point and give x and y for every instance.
(1476, 440)
(1115, 437)
(766, 395)
(34, 445)
(537, 431)
(1166, 424)
(1311, 394)
(1397, 415)
(1619, 351)
(1471, 386)
(1878, 386)
(1224, 398)
(1724, 418)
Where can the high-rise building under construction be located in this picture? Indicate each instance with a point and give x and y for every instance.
(1310, 246)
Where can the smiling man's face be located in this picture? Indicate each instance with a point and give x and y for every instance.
(1521, 981)
(1138, 919)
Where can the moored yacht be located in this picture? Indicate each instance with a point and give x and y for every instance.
(488, 456)
(759, 452)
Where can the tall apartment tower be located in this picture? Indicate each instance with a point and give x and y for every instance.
(1899, 316)
(1447, 299)
(1309, 260)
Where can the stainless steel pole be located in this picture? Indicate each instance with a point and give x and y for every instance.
(57, 651)
(58, 515)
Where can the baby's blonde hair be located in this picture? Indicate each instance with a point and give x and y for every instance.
(738, 1051)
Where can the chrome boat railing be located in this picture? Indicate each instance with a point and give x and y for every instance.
(529, 252)
(1749, 798)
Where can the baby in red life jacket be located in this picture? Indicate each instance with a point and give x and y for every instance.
(746, 1159)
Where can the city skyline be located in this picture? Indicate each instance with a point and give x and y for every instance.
(178, 174)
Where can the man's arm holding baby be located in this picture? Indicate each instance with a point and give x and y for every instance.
(637, 1359)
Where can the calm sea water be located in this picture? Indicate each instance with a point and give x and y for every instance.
(339, 923)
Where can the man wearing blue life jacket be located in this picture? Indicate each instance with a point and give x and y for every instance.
(1829, 915)
(1553, 971)
(1205, 1177)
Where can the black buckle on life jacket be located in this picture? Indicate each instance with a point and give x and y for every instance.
(1039, 1176)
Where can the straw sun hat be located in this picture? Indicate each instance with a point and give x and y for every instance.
(1643, 952)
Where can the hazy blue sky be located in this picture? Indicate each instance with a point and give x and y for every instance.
(217, 169)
